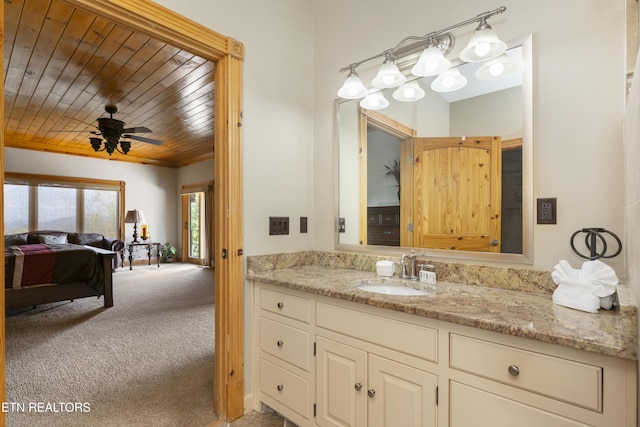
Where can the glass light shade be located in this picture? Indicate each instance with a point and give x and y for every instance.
(388, 76)
(374, 101)
(484, 45)
(353, 88)
(497, 68)
(430, 63)
(449, 81)
(409, 92)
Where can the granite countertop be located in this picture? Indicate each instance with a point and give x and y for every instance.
(513, 312)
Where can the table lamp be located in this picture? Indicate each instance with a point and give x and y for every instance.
(134, 217)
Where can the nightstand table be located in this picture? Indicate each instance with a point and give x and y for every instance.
(137, 246)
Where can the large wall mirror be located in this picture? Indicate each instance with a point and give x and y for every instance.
(449, 175)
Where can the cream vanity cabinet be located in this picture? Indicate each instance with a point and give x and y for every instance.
(376, 379)
(380, 367)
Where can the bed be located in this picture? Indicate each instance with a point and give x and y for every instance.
(54, 270)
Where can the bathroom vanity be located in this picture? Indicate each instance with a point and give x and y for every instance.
(330, 354)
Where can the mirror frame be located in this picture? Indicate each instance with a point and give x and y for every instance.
(526, 257)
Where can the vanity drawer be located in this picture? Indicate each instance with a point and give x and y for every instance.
(286, 305)
(573, 382)
(285, 342)
(285, 387)
(404, 337)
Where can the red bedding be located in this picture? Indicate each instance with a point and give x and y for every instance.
(28, 265)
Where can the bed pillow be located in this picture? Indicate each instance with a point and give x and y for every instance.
(48, 239)
(15, 239)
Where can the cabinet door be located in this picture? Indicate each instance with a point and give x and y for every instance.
(400, 395)
(341, 384)
(472, 407)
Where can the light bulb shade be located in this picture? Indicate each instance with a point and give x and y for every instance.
(353, 88)
(135, 216)
(449, 81)
(484, 45)
(374, 101)
(388, 76)
(430, 63)
(497, 68)
(409, 92)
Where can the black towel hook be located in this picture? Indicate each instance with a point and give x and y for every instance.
(591, 239)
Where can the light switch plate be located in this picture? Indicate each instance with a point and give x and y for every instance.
(278, 225)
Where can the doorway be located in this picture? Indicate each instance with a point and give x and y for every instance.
(197, 201)
(163, 24)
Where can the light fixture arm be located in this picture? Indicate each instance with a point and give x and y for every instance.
(424, 41)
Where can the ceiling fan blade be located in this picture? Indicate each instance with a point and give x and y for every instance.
(139, 129)
(143, 139)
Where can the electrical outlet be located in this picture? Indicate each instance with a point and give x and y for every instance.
(341, 225)
(303, 224)
(547, 211)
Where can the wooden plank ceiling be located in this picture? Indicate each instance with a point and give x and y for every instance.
(62, 66)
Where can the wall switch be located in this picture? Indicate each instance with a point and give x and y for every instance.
(278, 225)
(303, 224)
(547, 211)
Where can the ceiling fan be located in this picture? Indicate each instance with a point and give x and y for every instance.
(113, 131)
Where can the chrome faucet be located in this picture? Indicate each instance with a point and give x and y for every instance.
(409, 271)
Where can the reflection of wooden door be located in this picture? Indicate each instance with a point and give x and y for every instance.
(457, 190)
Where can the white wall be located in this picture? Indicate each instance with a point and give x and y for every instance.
(578, 99)
(151, 189)
(278, 77)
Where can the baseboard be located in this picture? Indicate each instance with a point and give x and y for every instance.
(248, 403)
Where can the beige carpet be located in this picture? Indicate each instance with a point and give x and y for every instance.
(147, 361)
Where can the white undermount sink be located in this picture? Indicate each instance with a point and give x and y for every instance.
(392, 290)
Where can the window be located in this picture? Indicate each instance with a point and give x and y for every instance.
(38, 202)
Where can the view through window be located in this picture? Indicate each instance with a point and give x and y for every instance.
(35, 202)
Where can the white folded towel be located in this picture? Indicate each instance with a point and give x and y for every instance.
(587, 289)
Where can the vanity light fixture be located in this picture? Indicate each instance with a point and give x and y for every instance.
(432, 61)
(389, 75)
(497, 68)
(484, 45)
(374, 101)
(449, 81)
(353, 88)
(409, 92)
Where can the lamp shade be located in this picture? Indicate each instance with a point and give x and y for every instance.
(409, 92)
(484, 45)
(353, 88)
(449, 81)
(497, 68)
(135, 216)
(430, 63)
(388, 75)
(374, 101)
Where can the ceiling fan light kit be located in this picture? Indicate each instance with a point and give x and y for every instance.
(112, 130)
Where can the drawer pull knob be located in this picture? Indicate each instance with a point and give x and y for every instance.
(358, 386)
(280, 305)
(280, 343)
(280, 387)
(514, 370)
(371, 392)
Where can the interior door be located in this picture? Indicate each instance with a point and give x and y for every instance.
(457, 193)
(192, 230)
